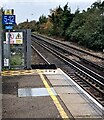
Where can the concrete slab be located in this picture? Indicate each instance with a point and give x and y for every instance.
(72, 99)
(56, 76)
(80, 107)
(58, 82)
(29, 107)
(43, 106)
(59, 78)
(70, 82)
(82, 110)
(12, 79)
(26, 107)
(30, 81)
(63, 90)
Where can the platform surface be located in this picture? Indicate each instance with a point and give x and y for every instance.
(45, 94)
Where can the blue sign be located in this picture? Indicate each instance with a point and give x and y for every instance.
(9, 27)
(8, 19)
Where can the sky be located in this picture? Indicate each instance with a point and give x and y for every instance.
(33, 9)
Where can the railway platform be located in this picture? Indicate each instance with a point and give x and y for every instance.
(45, 94)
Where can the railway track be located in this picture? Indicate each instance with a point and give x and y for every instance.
(86, 78)
(82, 55)
(80, 50)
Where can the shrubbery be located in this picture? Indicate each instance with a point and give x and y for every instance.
(83, 27)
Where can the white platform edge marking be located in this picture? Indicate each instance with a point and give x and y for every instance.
(36, 92)
(98, 104)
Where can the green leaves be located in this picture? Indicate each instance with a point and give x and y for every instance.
(87, 28)
(83, 27)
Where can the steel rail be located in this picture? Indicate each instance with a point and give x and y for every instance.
(82, 59)
(69, 46)
(67, 60)
(41, 55)
(92, 73)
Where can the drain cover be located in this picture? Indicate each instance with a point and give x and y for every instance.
(23, 92)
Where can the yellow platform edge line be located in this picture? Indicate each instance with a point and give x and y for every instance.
(54, 98)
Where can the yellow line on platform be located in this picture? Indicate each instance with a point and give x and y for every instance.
(54, 98)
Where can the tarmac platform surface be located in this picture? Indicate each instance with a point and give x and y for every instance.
(48, 94)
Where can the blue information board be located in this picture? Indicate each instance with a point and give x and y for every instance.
(8, 20)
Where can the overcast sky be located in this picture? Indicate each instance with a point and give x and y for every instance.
(33, 9)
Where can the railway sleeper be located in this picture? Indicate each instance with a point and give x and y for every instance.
(92, 85)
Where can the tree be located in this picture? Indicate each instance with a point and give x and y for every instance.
(27, 25)
(83, 27)
(77, 23)
(67, 18)
(61, 19)
(55, 18)
(42, 19)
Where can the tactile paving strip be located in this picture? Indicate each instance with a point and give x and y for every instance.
(18, 72)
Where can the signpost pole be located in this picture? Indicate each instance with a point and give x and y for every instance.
(9, 35)
(0, 41)
(28, 48)
(8, 19)
(0, 65)
(103, 57)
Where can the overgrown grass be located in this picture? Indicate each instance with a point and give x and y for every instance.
(16, 60)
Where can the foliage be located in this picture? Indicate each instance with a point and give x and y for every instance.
(28, 25)
(61, 19)
(87, 28)
(16, 60)
(82, 27)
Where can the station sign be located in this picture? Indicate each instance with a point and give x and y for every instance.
(8, 20)
(15, 37)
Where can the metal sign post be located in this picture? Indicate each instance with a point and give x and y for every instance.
(0, 41)
(16, 44)
(28, 48)
(9, 35)
(8, 20)
(0, 65)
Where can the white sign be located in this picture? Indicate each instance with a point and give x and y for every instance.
(6, 62)
(15, 37)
